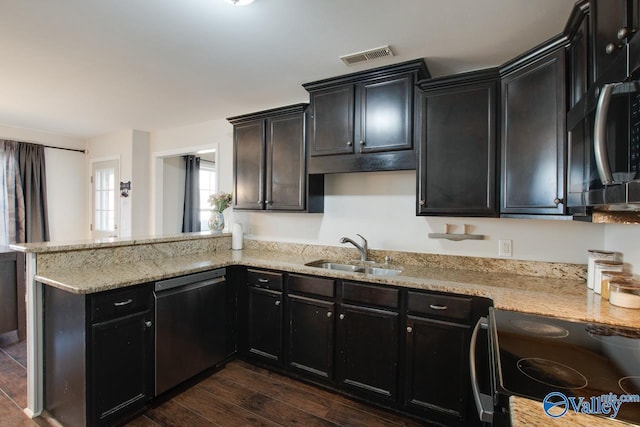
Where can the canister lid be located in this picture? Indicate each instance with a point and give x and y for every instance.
(624, 283)
(600, 252)
(604, 262)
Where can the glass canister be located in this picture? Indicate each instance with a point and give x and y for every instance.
(601, 265)
(607, 277)
(596, 254)
(625, 293)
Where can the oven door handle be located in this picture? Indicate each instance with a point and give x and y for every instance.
(484, 402)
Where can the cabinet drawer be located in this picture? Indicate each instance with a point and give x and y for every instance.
(264, 279)
(312, 285)
(435, 305)
(369, 294)
(120, 303)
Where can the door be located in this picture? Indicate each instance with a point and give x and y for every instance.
(385, 112)
(437, 380)
(456, 172)
(311, 336)
(332, 121)
(105, 198)
(121, 366)
(368, 352)
(249, 163)
(533, 138)
(265, 324)
(285, 163)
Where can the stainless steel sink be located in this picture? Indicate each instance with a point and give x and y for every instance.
(354, 268)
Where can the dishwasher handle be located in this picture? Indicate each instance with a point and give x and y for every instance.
(484, 402)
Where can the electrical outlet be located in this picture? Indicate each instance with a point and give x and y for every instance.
(505, 248)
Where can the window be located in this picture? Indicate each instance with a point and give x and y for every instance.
(208, 186)
(105, 177)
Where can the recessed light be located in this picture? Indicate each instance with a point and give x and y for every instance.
(239, 2)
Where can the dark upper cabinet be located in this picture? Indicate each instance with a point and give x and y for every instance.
(577, 30)
(249, 165)
(458, 139)
(533, 133)
(612, 22)
(270, 165)
(364, 121)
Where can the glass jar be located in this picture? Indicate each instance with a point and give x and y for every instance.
(608, 276)
(625, 293)
(596, 254)
(601, 265)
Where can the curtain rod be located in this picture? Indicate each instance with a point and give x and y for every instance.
(63, 148)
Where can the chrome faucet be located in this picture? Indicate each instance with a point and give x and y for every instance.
(364, 255)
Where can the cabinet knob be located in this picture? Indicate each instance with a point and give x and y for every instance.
(557, 201)
(409, 329)
(277, 302)
(423, 202)
(361, 142)
(148, 324)
(610, 48)
(623, 33)
(329, 314)
(349, 143)
(341, 317)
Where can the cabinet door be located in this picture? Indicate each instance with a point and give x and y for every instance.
(285, 163)
(311, 336)
(332, 121)
(121, 366)
(457, 161)
(368, 352)
(579, 62)
(385, 112)
(265, 324)
(249, 160)
(533, 138)
(437, 359)
(607, 17)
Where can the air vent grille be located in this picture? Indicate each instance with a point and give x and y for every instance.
(367, 55)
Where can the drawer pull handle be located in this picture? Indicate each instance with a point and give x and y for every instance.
(263, 280)
(122, 303)
(438, 307)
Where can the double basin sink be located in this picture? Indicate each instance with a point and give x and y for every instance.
(362, 267)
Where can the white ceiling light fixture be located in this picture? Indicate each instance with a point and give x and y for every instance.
(239, 2)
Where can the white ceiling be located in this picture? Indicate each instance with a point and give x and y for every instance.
(84, 68)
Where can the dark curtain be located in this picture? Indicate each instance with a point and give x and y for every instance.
(25, 180)
(33, 174)
(191, 215)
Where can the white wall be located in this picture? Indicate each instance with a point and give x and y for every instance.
(624, 238)
(66, 181)
(381, 207)
(173, 201)
(140, 185)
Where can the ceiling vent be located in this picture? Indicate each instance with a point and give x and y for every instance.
(367, 55)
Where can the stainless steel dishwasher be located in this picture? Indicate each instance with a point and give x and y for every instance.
(190, 314)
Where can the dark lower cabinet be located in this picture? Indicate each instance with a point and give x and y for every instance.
(310, 339)
(368, 352)
(265, 325)
(121, 365)
(437, 380)
(98, 354)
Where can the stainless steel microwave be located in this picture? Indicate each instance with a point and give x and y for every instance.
(604, 139)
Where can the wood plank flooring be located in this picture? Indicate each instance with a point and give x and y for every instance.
(238, 395)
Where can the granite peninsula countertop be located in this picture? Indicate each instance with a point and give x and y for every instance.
(566, 298)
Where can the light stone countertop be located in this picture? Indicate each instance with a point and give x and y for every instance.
(565, 298)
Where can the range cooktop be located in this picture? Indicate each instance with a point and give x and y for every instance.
(540, 355)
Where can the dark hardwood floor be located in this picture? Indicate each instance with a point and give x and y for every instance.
(238, 395)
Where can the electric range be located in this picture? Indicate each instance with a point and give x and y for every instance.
(566, 365)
